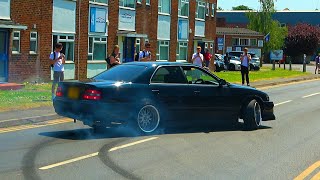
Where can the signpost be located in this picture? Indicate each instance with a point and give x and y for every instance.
(276, 55)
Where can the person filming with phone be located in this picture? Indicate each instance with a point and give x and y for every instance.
(245, 61)
(57, 60)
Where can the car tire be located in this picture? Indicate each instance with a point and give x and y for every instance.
(251, 68)
(147, 120)
(232, 67)
(252, 115)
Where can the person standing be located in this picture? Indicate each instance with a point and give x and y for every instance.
(197, 58)
(207, 57)
(317, 59)
(57, 60)
(115, 56)
(245, 61)
(145, 55)
(226, 60)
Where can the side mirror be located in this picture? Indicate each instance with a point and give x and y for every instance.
(222, 82)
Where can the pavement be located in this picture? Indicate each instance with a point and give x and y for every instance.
(287, 148)
(36, 115)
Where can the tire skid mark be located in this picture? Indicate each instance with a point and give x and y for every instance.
(104, 157)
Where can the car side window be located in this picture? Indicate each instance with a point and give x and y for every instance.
(169, 74)
(198, 76)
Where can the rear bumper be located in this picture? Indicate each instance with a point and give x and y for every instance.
(92, 112)
(267, 114)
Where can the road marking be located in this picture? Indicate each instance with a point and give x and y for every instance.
(287, 84)
(308, 171)
(132, 144)
(33, 117)
(95, 154)
(316, 177)
(285, 102)
(32, 126)
(310, 95)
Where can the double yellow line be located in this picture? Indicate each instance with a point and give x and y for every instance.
(31, 126)
(308, 171)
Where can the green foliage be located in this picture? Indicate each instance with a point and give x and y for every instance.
(241, 8)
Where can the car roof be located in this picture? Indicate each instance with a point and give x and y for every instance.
(157, 63)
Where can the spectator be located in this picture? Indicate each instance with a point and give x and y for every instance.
(207, 57)
(197, 58)
(115, 56)
(317, 59)
(57, 63)
(145, 55)
(226, 60)
(245, 61)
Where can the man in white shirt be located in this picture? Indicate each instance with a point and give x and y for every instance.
(145, 55)
(245, 62)
(197, 58)
(57, 61)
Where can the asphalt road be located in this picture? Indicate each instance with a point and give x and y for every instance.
(283, 149)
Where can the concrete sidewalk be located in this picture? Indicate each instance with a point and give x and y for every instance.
(19, 117)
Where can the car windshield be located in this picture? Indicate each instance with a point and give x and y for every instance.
(125, 73)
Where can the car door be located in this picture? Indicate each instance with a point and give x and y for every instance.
(171, 90)
(210, 99)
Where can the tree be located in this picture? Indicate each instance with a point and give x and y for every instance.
(262, 21)
(302, 39)
(241, 8)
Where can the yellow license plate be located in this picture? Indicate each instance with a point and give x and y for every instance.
(73, 93)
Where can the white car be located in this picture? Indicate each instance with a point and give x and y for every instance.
(234, 64)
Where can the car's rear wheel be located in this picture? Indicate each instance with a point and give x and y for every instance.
(148, 119)
(252, 115)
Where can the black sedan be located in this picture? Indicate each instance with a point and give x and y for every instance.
(148, 95)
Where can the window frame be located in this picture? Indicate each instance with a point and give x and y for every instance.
(94, 41)
(246, 40)
(178, 49)
(158, 49)
(180, 5)
(148, 2)
(213, 7)
(203, 4)
(160, 5)
(99, 3)
(254, 39)
(203, 71)
(126, 7)
(166, 66)
(16, 39)
(32, 39)
(66, 40)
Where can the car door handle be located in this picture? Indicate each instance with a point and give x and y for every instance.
(155, 91)
(196, 92)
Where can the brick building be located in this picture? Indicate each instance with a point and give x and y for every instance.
(89, 30)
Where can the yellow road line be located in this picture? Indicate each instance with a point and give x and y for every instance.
(287, 84)
(31, 117)
(285, 102)
(95, 154)
(308, 171)
(31, 126)
(310, 95)
(316, 177)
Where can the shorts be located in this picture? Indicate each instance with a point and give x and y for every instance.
(58, 76)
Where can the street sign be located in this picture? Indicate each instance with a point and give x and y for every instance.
(276, 55)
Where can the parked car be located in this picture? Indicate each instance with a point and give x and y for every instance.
(254, 63)
(219, 63)
(234, 64)
(146, 96)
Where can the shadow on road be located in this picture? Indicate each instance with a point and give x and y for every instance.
(122, 131)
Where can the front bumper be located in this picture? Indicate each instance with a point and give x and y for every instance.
(267, 114)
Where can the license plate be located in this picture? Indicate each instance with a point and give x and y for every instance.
(73, 92)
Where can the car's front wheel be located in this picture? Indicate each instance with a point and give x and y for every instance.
(148, 119)
(252, 115)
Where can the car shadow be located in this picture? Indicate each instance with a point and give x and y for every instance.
(127, 132)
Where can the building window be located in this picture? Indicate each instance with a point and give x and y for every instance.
(244, 42)
(163, 50)
(127, 3)
(68, 45)
(16, 42)
(97, 50)
(208, 9)
(164, 6)
(100, 1)
(182, 51)
(183, 9)
(235, 42)
(213, 6)
(33, 42)
(253, 42)
(148, 2)
(201, 9)
(139, 1)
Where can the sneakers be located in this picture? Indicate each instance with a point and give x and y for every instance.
(248, 84)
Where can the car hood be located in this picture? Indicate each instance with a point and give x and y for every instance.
(251, 90)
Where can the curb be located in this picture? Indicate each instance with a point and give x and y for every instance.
(287, 81)
(28, 120)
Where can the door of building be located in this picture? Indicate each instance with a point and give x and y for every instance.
(202, 45)
(128, 49)
(3, 55)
